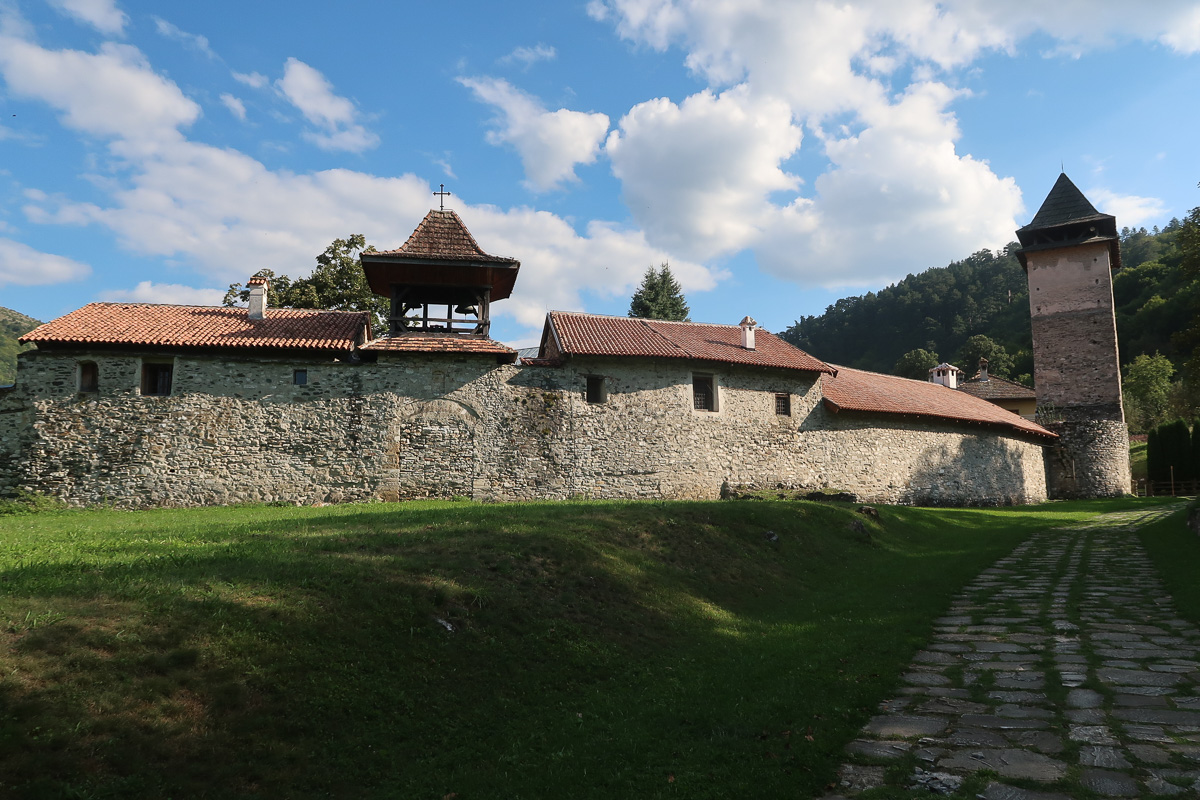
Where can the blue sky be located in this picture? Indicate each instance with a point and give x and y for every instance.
(779, 154)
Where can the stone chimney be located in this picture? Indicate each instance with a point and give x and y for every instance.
(983, 365)
(747, 326)
(945, 374)
(258, 297)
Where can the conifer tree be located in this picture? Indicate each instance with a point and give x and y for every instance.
(1154, 456)
(659, 297)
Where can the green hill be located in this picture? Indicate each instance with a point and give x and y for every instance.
(12, 325)
(939, 309)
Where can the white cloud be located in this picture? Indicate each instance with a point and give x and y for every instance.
(209, 207)
(235, 106)
(103, 15)
(550, 143)
(708, 175)
(192, 40)
(255, 80)
(527, 56)
(1184, 35)
(335, 116)
(898, 198)
(169, 293)
(24, 266)
(113, 92)
(12, 135)
(557, 264)
(1129, 209)
(697, 176)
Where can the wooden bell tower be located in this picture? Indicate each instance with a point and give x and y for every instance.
(440, 282)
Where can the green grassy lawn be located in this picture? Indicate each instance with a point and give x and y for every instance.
(1137, 460)
(1175, 551)
(433, 650)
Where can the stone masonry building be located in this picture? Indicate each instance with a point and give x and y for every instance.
(150, 405)
(1069, 252)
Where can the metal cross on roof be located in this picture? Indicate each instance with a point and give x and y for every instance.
(443, 195)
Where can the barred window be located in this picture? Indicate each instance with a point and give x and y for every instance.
(703, 394)
(783, 404)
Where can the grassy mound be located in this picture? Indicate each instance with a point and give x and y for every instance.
(456, 650)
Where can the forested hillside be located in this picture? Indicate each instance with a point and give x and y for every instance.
(940, 309)
(12, 325)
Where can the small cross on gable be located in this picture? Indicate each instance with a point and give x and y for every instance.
(442, 195)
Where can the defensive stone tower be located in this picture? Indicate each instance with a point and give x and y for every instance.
(1069, 252)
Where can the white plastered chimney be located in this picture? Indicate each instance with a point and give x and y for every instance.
(258, 297)
(747, 325)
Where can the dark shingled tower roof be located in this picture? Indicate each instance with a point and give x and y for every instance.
(1067, 218)
(1065, 204)
(440, 252)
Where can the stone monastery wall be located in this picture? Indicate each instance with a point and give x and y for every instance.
(239, 430)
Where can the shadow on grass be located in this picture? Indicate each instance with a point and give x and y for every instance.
(583, 650)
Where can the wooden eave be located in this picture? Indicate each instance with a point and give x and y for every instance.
(384, 270)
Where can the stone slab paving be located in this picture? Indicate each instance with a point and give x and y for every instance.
(1061, 671)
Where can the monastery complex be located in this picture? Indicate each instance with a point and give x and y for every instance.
(138, 405)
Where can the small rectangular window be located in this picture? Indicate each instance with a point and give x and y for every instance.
(89, 376)
(703, 394)
(783, 404)
(595, 389)
(300, 377)
(156, 379)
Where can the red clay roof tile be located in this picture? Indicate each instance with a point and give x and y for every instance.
(595, 335)
(997, 389)
(858, 390)
(439, 344)
(442, 235)
(148, 325)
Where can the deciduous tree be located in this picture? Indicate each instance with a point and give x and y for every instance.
(337, 284)
(916, 364)
(1147, 389)
(1000, 363)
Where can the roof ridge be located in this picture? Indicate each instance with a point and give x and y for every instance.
(651, 319)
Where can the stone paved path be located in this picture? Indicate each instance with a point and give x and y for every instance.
(1062, 669)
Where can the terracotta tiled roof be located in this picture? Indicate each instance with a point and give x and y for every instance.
(147, 325)
(439, 344)
(857, 390)
(595, 335)
(442, 235)
(997, 389)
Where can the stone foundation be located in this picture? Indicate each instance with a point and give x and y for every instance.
(1091, 458)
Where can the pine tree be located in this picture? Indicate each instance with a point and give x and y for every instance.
(659, 297)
